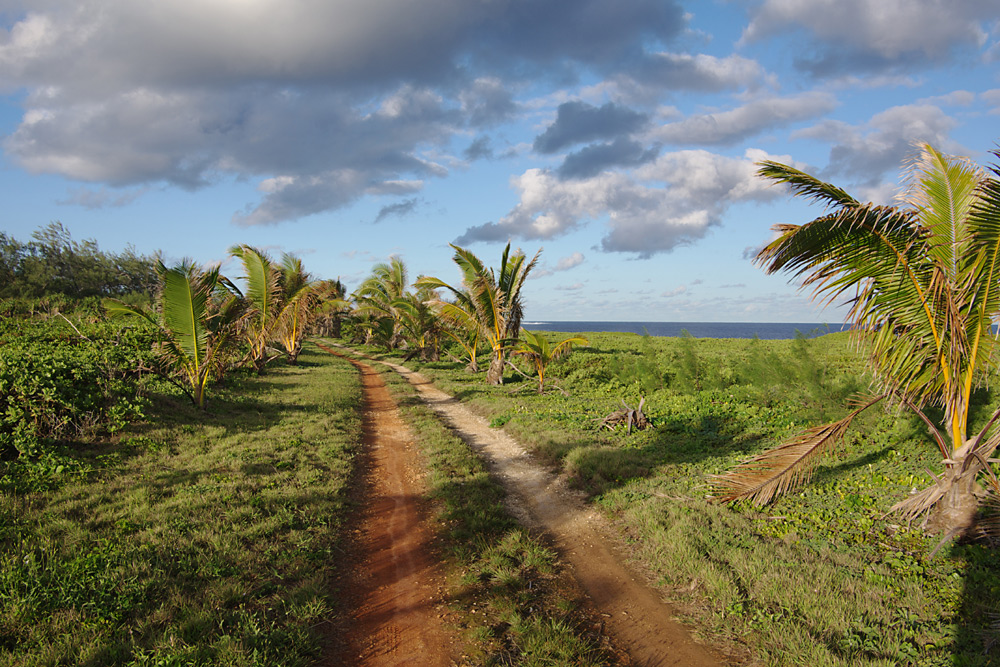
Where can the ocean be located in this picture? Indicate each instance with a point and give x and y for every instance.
(770, 330)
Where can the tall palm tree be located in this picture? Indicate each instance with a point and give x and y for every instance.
(923, 283)
(489, 299)
(197, 318)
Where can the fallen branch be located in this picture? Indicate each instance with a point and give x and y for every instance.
(629, 416)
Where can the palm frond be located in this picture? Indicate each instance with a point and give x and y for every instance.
(785, 467)
(804, 185)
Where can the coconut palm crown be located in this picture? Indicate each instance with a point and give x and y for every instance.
(489, 300)
(922, 280)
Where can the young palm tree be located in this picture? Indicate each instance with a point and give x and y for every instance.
(197, 318)
(376, 296)
(263, 300)
(923, 282)
(299, 298)
(536, 348)
(489, 299)
(420, 326)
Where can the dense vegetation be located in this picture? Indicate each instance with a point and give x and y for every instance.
(52, 263)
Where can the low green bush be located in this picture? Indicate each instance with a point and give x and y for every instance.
(58, 383)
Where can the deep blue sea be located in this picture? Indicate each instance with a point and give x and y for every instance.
(697, 329)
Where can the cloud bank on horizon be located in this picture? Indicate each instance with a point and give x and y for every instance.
(638, 120)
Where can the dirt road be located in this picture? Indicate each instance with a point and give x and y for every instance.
(396, 586)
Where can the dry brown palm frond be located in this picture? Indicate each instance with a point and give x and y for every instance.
(785, 467)
(920, 502)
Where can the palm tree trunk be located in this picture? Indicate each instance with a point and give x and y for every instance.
(494, 375)
(956, 511)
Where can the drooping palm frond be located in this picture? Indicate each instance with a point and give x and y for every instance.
(785, 467)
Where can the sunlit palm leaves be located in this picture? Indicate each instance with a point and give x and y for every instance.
(536, 348)
(197, 318)
(921, 280)
(488, 299)
(262, 296)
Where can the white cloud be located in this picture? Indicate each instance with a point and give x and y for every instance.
(319, 101)
(666, 203)
(866, 152)
(873, 35)
(567, 263)
(729, 127)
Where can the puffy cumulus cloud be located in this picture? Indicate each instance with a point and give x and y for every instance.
(669, 202)
(730, 127)
(866, 152)
(311, 94)
(189, 138)
(578, 122)
(874, 35)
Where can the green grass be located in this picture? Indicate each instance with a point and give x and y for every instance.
(514, 600)
(196, 538)
(821, 577)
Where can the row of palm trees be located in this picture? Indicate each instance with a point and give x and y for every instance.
(483, 312)
(209, 326)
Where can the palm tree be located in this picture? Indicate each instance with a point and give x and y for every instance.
(419, 324)
(489, 300)
(377, 295)
(197, 318)
(299, 297)
(536, 348)
(263, 300)
(923, 283)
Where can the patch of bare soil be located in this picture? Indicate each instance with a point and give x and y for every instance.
(395, 585)
(635, 615)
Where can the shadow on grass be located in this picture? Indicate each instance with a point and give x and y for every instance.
(977, 640)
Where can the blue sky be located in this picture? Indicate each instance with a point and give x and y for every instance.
(619, 136)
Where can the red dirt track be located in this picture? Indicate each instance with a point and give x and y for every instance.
(396, 583)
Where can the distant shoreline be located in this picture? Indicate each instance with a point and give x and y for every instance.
(763, 330)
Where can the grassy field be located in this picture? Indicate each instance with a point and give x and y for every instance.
(194, 538)
(821, 577)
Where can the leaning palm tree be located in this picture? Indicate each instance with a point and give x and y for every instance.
(923, 283)
(197, 319)
(490, 300)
